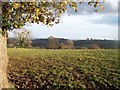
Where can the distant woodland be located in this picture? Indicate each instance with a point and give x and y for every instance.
(60, 43)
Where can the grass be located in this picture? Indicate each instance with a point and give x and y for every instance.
(64, 69)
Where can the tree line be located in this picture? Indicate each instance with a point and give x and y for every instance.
(23, 39)
(61, 43)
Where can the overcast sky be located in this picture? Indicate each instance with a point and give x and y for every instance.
(84, 24)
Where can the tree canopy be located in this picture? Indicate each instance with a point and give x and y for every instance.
(16, 14)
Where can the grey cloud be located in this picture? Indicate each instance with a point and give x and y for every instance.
(86, 9)
(111, 20)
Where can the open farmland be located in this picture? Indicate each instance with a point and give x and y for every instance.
(43, 69)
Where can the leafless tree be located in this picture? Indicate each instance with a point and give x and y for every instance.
(23, 36)
(53, 43)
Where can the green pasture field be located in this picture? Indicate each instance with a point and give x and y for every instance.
(44, 69)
